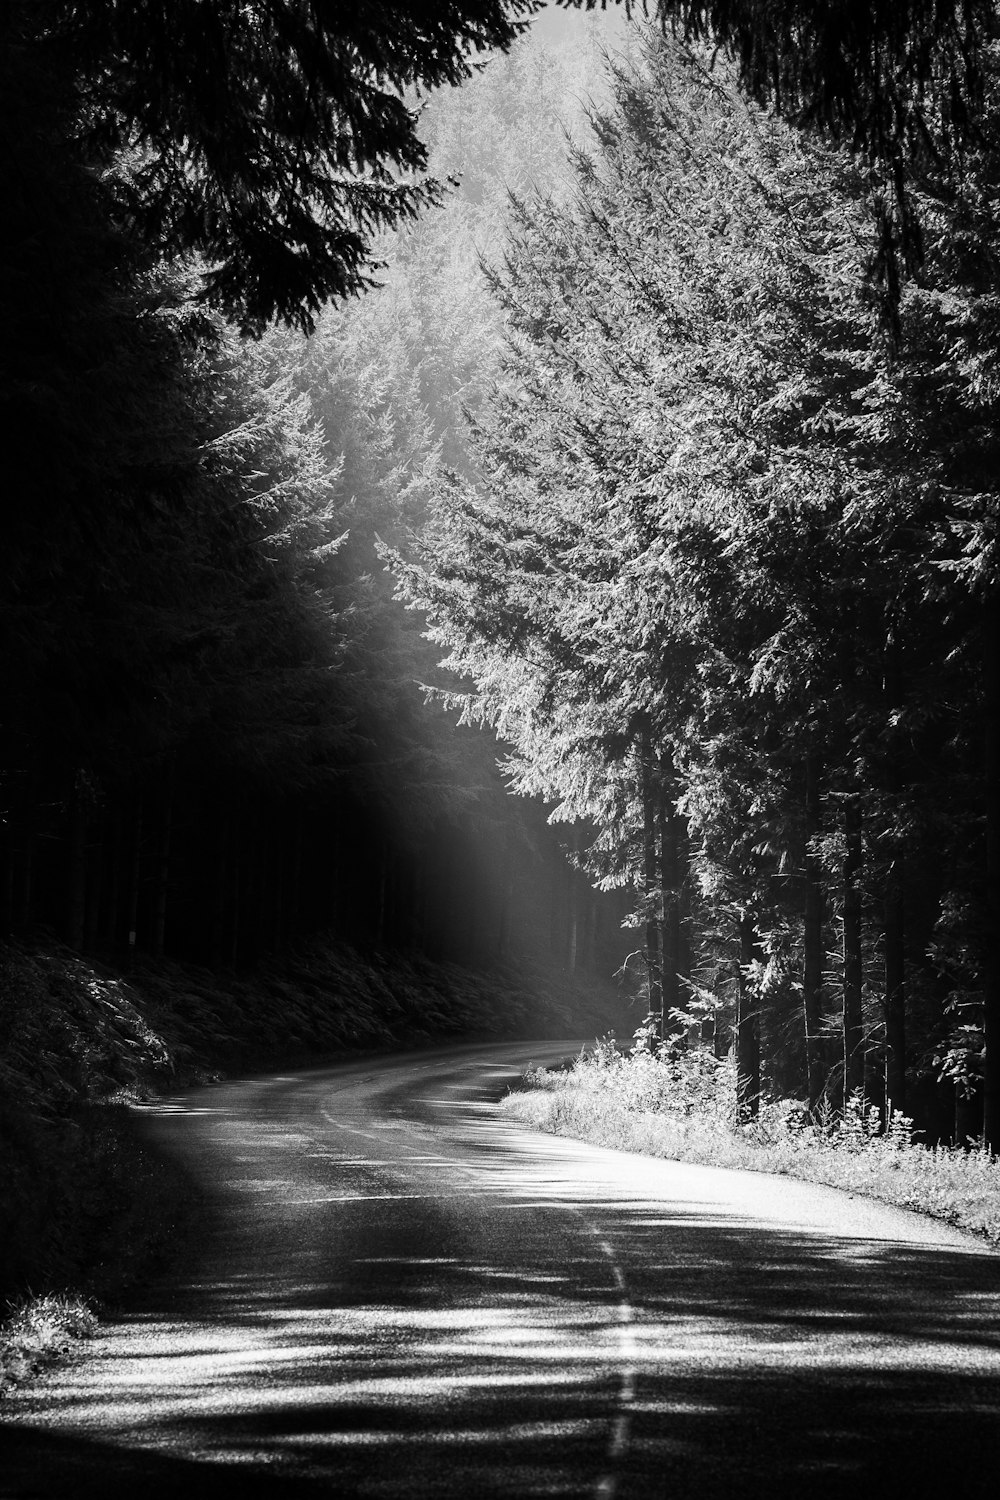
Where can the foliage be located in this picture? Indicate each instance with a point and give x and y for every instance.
(274, 139)
(660, 1106)
(708, 565)
(39, 1331)
(270, 140)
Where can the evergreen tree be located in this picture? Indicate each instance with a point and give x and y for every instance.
(703, 517)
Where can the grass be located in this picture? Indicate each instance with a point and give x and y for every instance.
(681, 1107)
(40, 1331)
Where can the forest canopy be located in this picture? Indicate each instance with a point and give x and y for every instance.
(213, 740)
(694, 485)
(273, 140)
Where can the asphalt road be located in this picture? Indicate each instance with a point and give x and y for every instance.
(395, 1293)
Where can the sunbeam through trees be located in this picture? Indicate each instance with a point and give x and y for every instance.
(502, 542)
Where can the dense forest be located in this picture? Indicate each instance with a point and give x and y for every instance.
(725, 581)
(215, 734)
(668, 422)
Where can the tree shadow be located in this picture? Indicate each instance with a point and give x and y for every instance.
(522, 1322)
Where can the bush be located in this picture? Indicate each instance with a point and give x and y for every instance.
(39, 1331)
(669, 1102)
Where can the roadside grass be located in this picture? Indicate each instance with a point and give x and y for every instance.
(682, 1107)
(38, 1332)
(87, 1212)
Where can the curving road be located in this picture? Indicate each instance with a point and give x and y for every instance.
(397, 1294)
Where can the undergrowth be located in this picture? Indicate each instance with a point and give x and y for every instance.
(39, 1331)
(681, 1105)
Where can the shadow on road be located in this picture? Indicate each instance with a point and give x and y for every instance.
(517, 1321)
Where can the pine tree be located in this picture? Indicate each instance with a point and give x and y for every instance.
(702, 509)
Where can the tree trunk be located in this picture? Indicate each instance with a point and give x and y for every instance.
(703, 1033)
(684, 961)
(893, 893)
(854, 1055)
(895, 998)
(670, 880)
(651, 883)
(748, 1026)
(991, 974)
(812, 939)
(574, 922)
(587, 942)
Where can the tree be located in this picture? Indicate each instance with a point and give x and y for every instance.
(709, 501)
(274, 138)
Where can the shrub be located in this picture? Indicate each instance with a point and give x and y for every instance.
(667, 1101)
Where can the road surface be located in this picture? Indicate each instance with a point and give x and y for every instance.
(395, 1293)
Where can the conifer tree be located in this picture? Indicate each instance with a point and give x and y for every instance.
(701, 508)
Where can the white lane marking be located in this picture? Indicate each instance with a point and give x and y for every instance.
(607, 1486)
(621, 1427)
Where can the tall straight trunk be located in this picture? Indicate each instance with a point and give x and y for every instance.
(893, 901)
(596, 924)
(704, 1032)
(991, 967)
(748, 1025)
(574, 930)
(812, 938)
(895, 996)
(684, 917)
(670, 879)
(651, 884)
(854, 1056)
(573, 907)
(76, 887)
